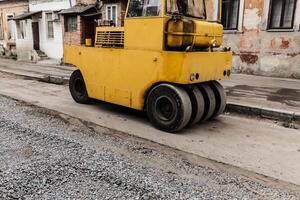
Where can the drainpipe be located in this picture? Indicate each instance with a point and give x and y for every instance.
(70, 3)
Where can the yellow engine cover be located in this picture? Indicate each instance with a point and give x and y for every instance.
(184, 32)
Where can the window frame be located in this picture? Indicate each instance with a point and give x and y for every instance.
(1, 31)
(291, 28)
(66, 26)
(47, 24)
(21, 29)
(238, 16)
(106, 12)
(161, 14)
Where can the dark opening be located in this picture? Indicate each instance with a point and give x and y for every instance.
(230, 14)
(282, 13)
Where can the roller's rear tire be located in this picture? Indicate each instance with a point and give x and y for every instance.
(209, 100)
(221, 98)
(77, 88)
(169, 107)
(198, 105)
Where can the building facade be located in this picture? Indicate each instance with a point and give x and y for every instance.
(8, 10)
(39, 31)
(264, 36)
(79, 22)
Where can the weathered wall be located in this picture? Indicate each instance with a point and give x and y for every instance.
(43, 5)
(53, 47)
(11, 7)
(259, 51)
(86, 2)
(25, 45)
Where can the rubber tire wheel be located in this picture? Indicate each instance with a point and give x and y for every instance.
(209, 100)
(221, 98)
(181, 107)
(78, 96)
(198, 105)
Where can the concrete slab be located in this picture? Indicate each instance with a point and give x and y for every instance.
(258, 146)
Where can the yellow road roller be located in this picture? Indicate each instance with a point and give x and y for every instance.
(165, 60)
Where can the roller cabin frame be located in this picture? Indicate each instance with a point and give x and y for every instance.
(154, 56)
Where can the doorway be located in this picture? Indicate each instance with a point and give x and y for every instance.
(36, 35)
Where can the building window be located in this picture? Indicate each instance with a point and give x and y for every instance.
(11, 30)
(49, 19)
(111, 14)
(21, 29)
(281, 15)
(230, 14)
(71, 24)
(1, 31)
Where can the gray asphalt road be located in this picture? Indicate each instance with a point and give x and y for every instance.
(47, 156)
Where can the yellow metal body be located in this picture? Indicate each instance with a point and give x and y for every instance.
(124, 75)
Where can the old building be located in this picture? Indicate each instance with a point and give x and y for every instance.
(114, 10)
(8, 10)
(39, 32)
(79, 22)
(264, 36)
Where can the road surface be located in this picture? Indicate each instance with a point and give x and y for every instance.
(45, 155)
(264, 147)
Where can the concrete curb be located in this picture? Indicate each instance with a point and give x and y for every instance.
(59, 80)
(263, 112)
(55, 80)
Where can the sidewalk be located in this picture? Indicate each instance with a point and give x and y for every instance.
(44, 72)
(275, 98)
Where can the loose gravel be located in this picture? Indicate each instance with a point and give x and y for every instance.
(47, 156)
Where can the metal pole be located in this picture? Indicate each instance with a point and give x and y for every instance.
(70, 3)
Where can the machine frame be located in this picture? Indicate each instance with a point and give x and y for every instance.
(126, 75)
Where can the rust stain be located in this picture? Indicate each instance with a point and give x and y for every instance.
(276, 54)
(249, 58)
(273, 43)
(284, 43)
(247, 40)
(293, 54)
(209, 9)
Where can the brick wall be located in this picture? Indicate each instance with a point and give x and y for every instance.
(72, 38)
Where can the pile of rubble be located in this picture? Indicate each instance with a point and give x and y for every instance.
(5, 53)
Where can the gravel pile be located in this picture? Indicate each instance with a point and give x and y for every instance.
(44, 156)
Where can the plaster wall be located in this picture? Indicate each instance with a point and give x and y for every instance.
(47, 5)
(24, 46)
(53, 47)
(258, 50)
